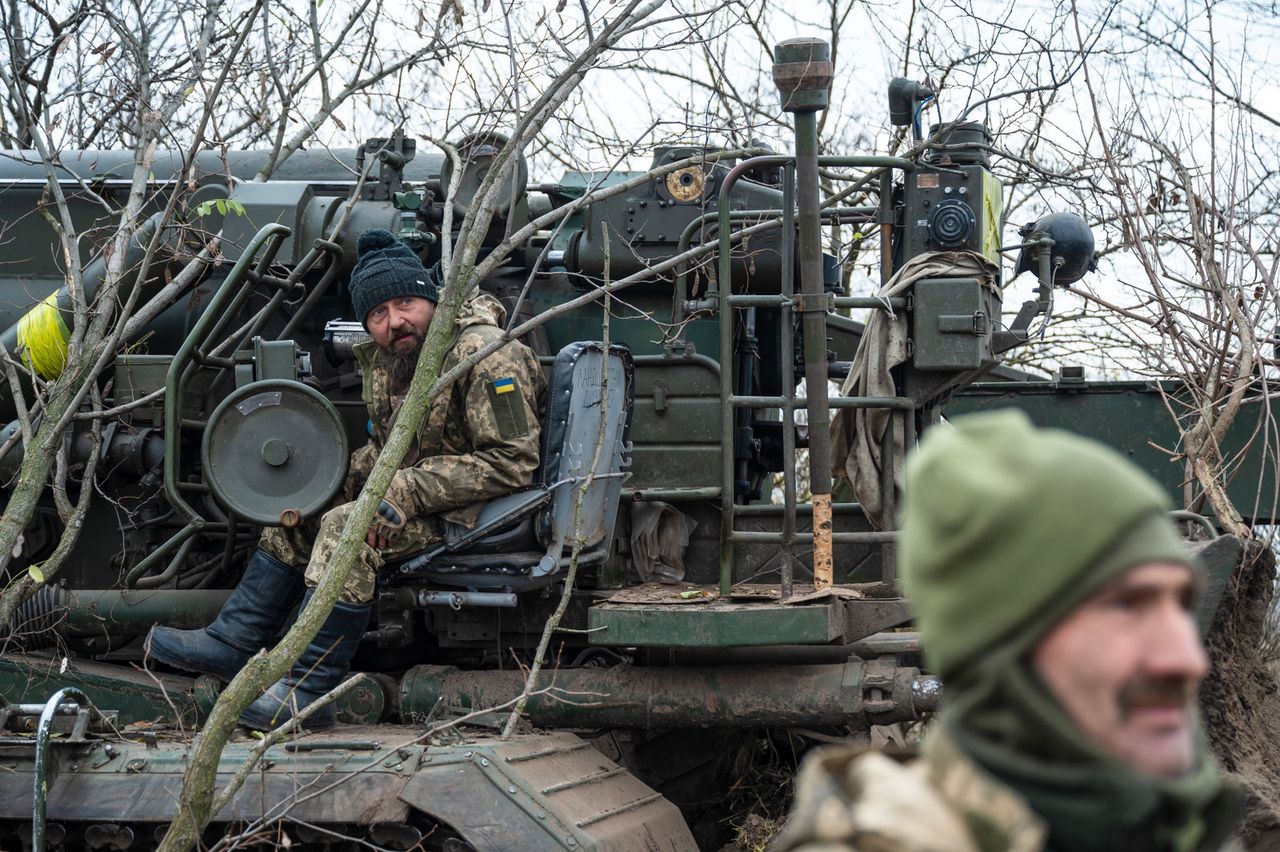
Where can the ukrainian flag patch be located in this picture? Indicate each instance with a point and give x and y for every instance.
(508, 408)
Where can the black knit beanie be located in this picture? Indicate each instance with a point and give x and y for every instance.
(387, 268)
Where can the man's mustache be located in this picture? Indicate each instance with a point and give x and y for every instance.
(1156, 692)
(405, 334)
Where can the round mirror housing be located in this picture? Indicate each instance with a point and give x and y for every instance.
(1072, 255)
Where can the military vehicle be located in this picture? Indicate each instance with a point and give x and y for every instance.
(781, 623)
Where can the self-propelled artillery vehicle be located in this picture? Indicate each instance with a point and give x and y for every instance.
(712, 596)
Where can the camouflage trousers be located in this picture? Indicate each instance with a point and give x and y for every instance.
(311, 546)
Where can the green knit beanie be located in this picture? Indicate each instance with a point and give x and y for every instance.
(1007, 527)
(387, 268)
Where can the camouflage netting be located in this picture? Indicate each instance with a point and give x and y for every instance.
(1241, 701)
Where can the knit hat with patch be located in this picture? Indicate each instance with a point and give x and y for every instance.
(1007, 528)
(385, 269)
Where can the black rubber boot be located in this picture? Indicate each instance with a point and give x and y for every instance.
(322, 666)
(257, 608)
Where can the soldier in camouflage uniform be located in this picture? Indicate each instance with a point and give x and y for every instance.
(1053, 597)
(479, 440)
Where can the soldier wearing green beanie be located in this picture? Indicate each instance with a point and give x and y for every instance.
(1053, 596)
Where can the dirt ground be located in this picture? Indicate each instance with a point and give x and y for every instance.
(1241, 700)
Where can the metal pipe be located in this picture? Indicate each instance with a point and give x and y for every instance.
(888, 501)
(748, 351)
(92, 612)
(875, 645)
(751, 300)
(317, 292)
(899, 402)
(179, 539)
(673, 495)
(886, 227)
(653, 697)
(457, 600)
(758, 509)
(788, 346)
(814, 324)
(170, 571)
(1195, 518)
(870, 537)
(40, 782)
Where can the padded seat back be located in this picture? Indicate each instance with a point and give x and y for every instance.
(590, 398)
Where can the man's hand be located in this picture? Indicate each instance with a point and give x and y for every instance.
(387, 524)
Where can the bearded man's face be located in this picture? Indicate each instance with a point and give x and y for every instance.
(399, 326)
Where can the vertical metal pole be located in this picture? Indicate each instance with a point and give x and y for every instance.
(727, 490)
(786, 320)
(886, 226)
(802, 71)
(888, 551)
(815, 344)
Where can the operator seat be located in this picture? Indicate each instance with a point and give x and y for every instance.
(522, 541)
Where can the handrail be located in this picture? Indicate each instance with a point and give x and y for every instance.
(80, 705)
(788, 401)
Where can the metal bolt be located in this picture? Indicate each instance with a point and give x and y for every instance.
(511, 790)
(569, 841)
(484, 761)
(467, 753)
(946, 190)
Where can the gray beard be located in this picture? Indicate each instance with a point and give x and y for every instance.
(401, 367)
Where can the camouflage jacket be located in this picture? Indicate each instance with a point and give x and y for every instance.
(851, 800)
(479, 439)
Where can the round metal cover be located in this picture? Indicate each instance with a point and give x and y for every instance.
(687, 184)
(274, 452)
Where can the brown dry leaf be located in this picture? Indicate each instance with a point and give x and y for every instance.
(455, 6)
